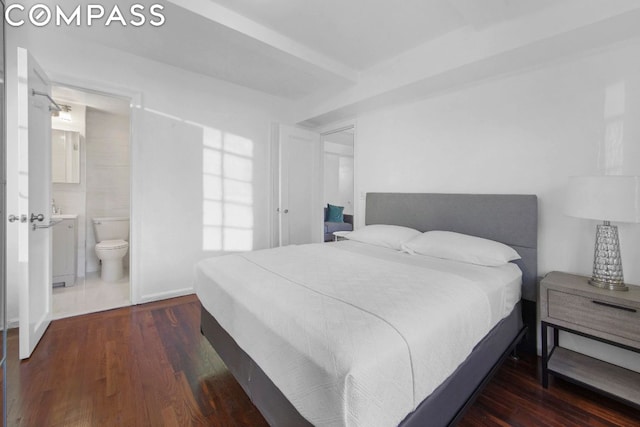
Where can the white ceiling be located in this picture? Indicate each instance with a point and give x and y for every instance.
(349, 35)
(362, 33)
(308, 50)
(358, 33)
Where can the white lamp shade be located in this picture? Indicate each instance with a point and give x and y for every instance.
(606, 198)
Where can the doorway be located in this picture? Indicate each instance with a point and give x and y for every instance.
(338, 181)
(90, 190)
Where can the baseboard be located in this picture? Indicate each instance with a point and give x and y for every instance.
(165, 295)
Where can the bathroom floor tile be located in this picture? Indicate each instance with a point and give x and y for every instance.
(89, 295)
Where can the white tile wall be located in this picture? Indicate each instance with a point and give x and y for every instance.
(107, 177)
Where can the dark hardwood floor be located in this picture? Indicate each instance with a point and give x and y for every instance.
(148, 365)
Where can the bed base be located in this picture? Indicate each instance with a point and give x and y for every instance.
(444, 407)
(448, 403)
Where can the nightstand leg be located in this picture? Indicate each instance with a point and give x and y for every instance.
(545, 354)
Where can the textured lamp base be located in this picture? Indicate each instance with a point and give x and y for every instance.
(607, 263)
(608, 286)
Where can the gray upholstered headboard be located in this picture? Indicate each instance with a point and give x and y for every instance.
(506, 218)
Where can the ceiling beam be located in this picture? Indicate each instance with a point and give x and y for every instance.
(467, 55)
(233, 20)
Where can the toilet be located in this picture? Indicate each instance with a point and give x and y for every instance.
(112, 235)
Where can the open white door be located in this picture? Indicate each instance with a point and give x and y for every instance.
(28, 203)
(299, 205)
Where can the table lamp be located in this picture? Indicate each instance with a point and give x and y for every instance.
(610, 199)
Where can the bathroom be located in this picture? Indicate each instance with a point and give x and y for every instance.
(90, 202)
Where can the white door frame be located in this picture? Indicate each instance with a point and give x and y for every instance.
(335, 128)
(107, 89)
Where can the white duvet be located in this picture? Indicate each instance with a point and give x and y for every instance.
(351, 334)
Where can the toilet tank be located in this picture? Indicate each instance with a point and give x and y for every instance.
(111, 228)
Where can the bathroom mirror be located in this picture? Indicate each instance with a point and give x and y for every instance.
(65, 156)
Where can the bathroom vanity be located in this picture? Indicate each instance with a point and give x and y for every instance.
(64, 252)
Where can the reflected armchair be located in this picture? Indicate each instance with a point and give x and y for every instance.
(330, 227)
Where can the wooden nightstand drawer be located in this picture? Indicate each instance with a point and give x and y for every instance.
(569, 303)
(596, 314)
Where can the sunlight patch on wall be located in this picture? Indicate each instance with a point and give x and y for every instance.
(227, 190)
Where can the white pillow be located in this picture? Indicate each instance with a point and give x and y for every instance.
(461, 247)
(388, 236)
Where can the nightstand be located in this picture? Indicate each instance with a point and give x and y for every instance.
(569, 303)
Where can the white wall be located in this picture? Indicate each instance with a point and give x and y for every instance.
(178, 113)
(519, 134)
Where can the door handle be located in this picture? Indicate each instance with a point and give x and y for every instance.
(14, 218)
(39, 217)
(286, 211)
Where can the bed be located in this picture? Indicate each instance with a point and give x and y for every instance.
(391, 375)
